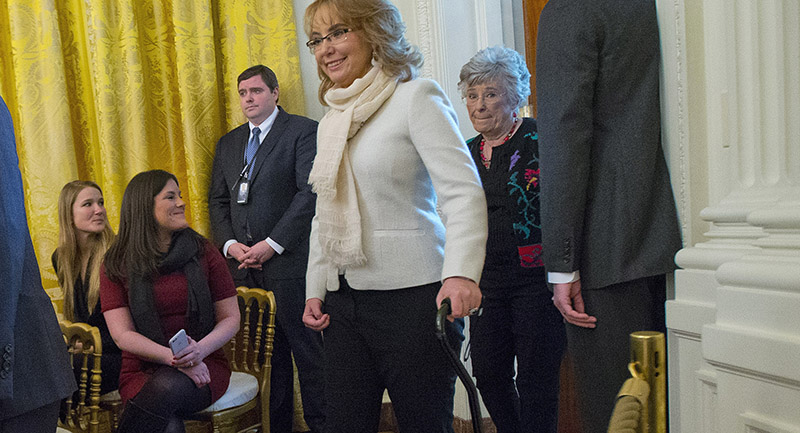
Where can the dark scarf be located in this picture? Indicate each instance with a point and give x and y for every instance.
(183, 255)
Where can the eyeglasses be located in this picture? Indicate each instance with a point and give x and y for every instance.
(335, 37)
(488, 97)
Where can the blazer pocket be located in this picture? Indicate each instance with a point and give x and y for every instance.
(398, 245)
(398, 233)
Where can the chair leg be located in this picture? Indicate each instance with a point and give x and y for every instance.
(114, 408)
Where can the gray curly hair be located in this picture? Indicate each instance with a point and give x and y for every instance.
(502, 66)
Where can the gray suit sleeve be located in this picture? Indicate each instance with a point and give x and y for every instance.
(566, 72)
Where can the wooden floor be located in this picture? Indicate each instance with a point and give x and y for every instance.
(568, 413)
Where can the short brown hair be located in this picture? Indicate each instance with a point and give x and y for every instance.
(269, 77)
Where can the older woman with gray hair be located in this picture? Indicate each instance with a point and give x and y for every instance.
(519, 321)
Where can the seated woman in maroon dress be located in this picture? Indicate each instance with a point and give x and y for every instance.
(160, 276)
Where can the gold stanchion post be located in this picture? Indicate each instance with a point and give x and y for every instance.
(648, 359)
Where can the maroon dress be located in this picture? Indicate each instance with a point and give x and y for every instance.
(170, 294)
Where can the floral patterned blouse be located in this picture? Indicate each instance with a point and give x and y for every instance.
(511, 184)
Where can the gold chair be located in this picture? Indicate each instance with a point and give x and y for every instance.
(82, 411)
(245, 405)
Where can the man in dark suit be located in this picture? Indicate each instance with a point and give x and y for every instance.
(609, 224)
(35, 373)
(261, 205)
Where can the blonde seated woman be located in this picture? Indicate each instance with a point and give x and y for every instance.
(84, 236)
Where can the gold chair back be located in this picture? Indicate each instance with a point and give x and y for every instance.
(82, 409)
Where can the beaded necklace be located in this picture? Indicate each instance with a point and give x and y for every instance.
(488, 162)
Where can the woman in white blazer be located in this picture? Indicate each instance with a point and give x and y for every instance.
(381, 258)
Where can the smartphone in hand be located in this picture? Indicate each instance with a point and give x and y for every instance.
(178, 342)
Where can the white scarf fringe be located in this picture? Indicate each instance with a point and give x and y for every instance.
(332, 177)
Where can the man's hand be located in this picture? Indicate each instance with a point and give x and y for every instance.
(258, 254)
(569, 301)
(464, 295)
(313, 317)
(238, 250)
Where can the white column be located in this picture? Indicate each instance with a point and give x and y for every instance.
(732, 121)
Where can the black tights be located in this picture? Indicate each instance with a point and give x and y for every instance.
(168, 395)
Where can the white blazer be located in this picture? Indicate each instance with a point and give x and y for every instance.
(408, 154)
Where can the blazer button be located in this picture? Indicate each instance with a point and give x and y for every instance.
(7, 356)
(6, 365)
(9, 348)
(3, 374)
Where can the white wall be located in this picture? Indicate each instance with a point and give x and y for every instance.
(308, 66)
(732, 129)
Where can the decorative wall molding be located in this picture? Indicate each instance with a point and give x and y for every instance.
(757, 423)
(738, 292)
(482, 23)
(674, 89)
(709, 401)
(427, 38)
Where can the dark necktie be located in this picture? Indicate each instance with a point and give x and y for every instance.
(252, 148)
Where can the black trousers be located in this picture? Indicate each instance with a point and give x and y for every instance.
(385, 339)
(601, 355)
(519, 323)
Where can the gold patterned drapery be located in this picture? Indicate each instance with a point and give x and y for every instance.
(104, 89)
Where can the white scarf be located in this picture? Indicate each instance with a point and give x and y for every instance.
(331, 177)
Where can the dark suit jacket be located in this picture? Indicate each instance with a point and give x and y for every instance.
(34, 368)
(607, 205)
(280, 204)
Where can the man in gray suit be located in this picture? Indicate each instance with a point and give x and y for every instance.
(34, 369)
(609, 224)
(260, 206)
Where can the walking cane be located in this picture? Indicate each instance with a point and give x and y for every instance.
(472, 392)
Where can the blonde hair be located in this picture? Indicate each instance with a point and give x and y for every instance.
(383, 29)
(68, 255)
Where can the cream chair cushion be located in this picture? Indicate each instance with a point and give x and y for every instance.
(242, 388)
(111, 396)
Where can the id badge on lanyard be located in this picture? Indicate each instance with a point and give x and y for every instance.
(244, 190)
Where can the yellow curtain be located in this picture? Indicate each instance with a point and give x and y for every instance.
(105, 89)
